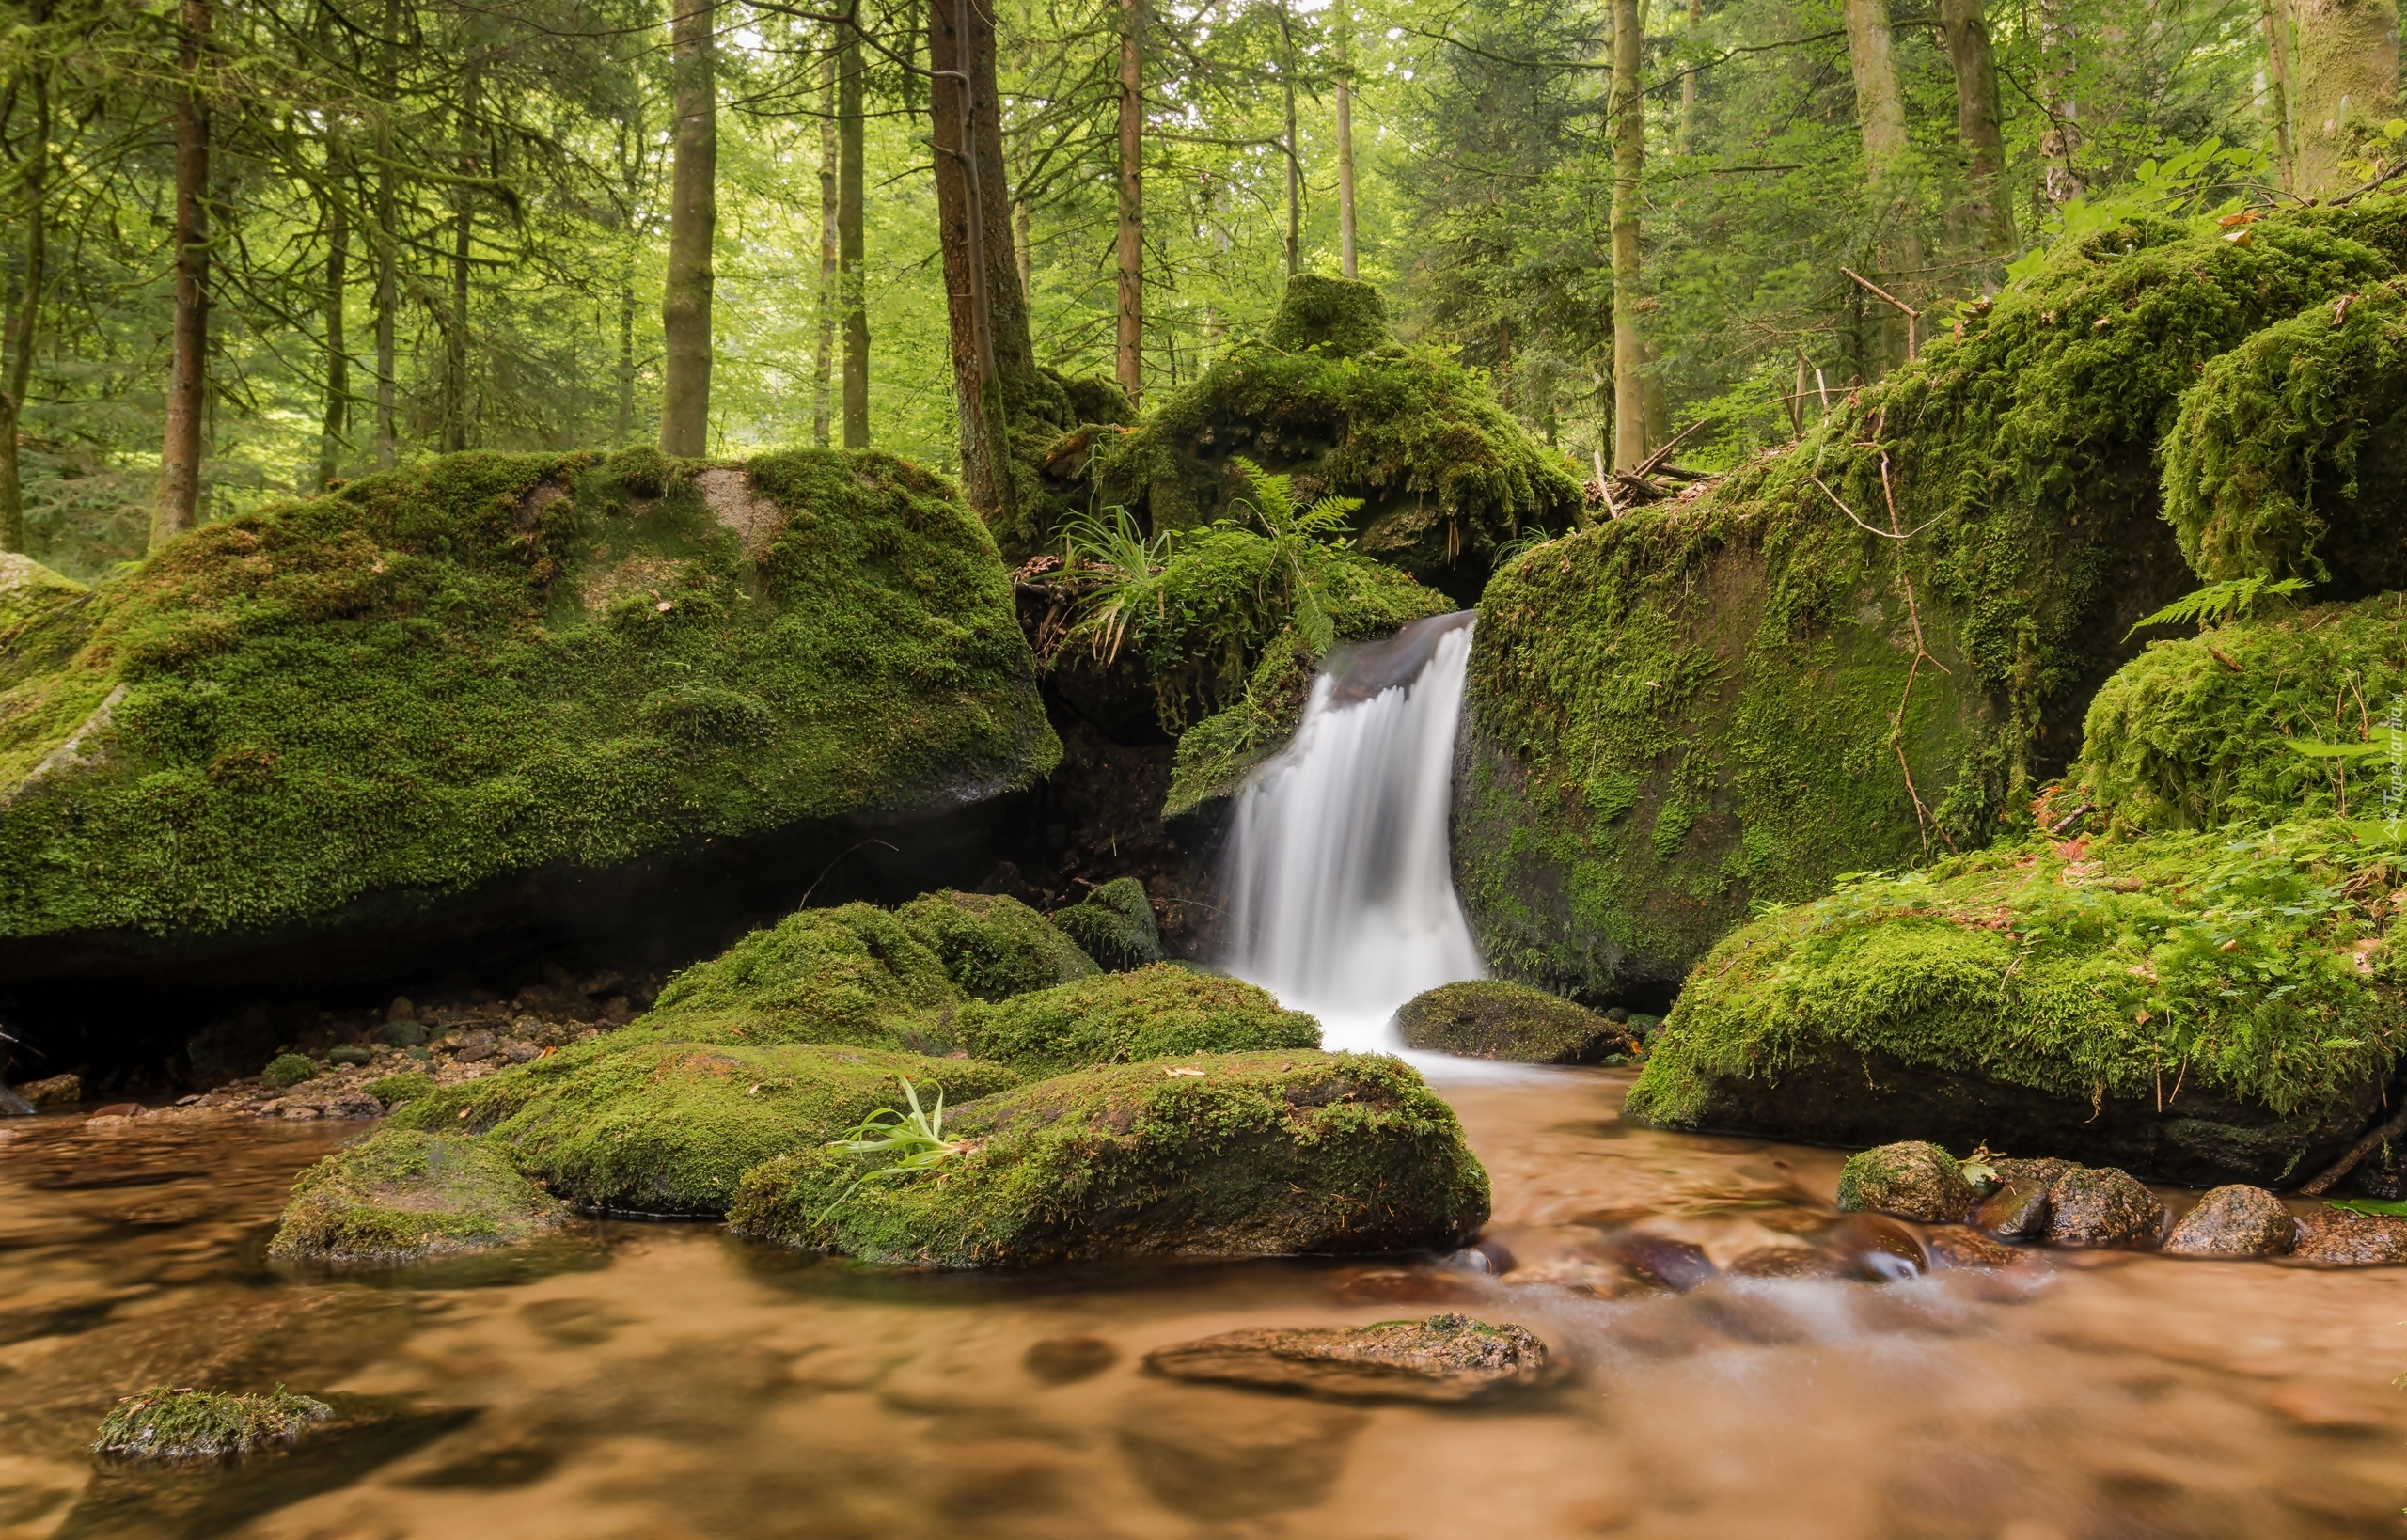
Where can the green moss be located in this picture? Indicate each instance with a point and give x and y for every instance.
(2181, 739)
(1115, 925)
(1341, 316)
(395, 1091)
(162, 1423)
(441, 675)
(1260, 1154)
(1494, 1018)
(406, 1195)
(28, 591)
(854, 974)
(288, 1069)
(634, 1122)
(1120, 1017)
(993, 946)
(1703, 705)
(1218, 753)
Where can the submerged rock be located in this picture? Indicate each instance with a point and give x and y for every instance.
(2018, 1210)
(1445, 1357)
(2336, 1238)
(1913, 1180)
(993, 946)
(172, 1425)
(402, 1195)
(1120, 1017)
(2234, 1222)
(1494, 1018)
(14, 1105)
(1221, 1155)
(1953, 1245)
(1115, 925)
(2103, 1207)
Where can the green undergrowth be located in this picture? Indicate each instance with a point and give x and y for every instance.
(406, 1194)
(2205, 730)
(1115, 925)
(1232, 1154)
(166, 1424)
(2248, 965)
(993, 946)
(1121, 1017)
(487, 662)
(1703, 705)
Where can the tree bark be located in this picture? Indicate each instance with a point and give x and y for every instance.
(1347, 236)
(463, 221)
(1978, 120)
(1627, 113)
(387, 239)
(955, 105)
(1888, 163)
(2059, 182)
(179, 499)
(25, 316)
(824, 363)
(693, 219)
(338, 417)
(2348, 86)
(2275, 19)
(1295, 167)
(1006, 301)
(852, 251)
(1687, 144)
(1128, 357)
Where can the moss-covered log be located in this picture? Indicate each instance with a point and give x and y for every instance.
(2177, 1006)
(408, 1195)
(1696, 708)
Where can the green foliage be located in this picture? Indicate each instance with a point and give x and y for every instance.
(1115, 925)
(2218, 602)
(395, 1091)
(1121, 1017)
(914, 1139)
(1126, 569)
(1218, 753)
(288, 1069)
(854, 974)
(164, 1423)
(992, 945)
(2174, 187)
(408, 1193)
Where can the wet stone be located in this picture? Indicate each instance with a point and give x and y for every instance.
(2016, 1210)
(1660, 1260)
(57, 1091)
(2337, 1238)
(2101, 1206)
(1789, 1262)
(1877, 1249)
(1953, 1245)
(1912, 1180)
(2234, 1222)
(2043, 1171)
(1445, 1357)
(1065, 1360)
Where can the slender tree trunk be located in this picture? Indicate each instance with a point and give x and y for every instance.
(179, 499)
(1295, 167)
(625, 431)
(1687, 144)
(25, 316)
(1627, 110)
(823, 365)
(388, 241)
(1006, 301)
(693, 218)
(463, 218)
(1346, 240)
(2348, 86)
(852, 251)
(1128, 359)
(1977, 121)
(338, 420)
(1888, 162)
(956, 103)
(2275, 19)
(2060, 183)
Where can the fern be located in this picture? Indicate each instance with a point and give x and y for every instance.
(2219, 602)
(2384, 743)
(1273, 503)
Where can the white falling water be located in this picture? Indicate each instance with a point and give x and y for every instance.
(1342, 895)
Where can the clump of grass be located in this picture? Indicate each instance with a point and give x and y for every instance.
(915, 1140)
(289, 1069)
(164, 1423)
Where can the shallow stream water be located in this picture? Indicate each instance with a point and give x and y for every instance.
(669, 1380)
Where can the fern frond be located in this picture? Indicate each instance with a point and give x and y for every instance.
(2219, 602)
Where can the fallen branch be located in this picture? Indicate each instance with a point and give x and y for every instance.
(1870, 529)
(1913, 315)
(1647, 466)
(2357, 1151)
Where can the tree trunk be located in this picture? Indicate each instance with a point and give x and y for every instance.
(179, 500)
(1347, 242)
(1977, 121)
(1295, 167)
(824, 363)
(330, 436)
(626, 424)
(387, 239)
(1627, 112)
(2348, 86)
(1687, 144)
(1128, 359)
(2276, 23)
(852, 252)
(955, 105)
(1006, 301)
(463, 219)
(26, 313)
(1880, 112)
(693, 219)
(2060, 184)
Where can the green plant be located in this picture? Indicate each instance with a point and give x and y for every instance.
(1294, 529)
(915, 1140)
(398, 1089)
(1128, 570)
(288, 1069)
(2382, 1208)
(2219, 602)
(2175, 185)
(164, 1423)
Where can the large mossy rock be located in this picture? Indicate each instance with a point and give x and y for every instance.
(362, 706)
(1115, 925)
(630, 1123)
(28, 591)
(1706, 705)
(993, 946)
(2199, 732)
(1123, 1017)
(2179, 1006)
(853, 974)
(1495, 1018)
(404, 1195)
(1225, 1155)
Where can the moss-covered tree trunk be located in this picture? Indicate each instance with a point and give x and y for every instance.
(956, 103)
(1888, 157)
(693, 218)
(1128, 357)
(337, 414)
(852, 251)
(2348, 86)
(1990, 215)
(179, 498)
(823, 365)
(2276, 18)
(26, 313)
(1627, 110)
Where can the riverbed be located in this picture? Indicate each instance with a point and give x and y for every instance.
(659, 1381)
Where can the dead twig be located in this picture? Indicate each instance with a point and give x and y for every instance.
(2357, 1151)
(1912, 316)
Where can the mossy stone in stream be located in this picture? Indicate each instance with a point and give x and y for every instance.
(289, 1069)
(854, 974)
(2101, 1206)
(630, 1122)
(1495, 1018)
(1220, 1155)
(1119, 1017)
(164, 1423)
(1115, 925)
(992, 945)
(1913, 1180)
(406, 1194)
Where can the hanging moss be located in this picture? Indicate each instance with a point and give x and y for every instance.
(2197, 733)
(406, 1194)
(1218, 753)
(487, 664)
(1115, 925)
(992, 945)
(2201, 1008)
(854, 974)
(1150, 1013)
(1688, 711)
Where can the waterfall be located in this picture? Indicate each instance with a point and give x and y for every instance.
(1342, 896)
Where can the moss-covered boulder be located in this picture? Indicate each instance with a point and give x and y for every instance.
(629, 1124)
(487, 666)
(2179, 1006)
(169, 1424)
(993, 946)
(1227, 1155)
(1912, 1179)
(406, 1195)
(28, 591)
(1495, 1018)
(2203, 731)
(853, 974)
(1123, 1017)
(1216, 755)
(1115, 925)
(1872, 646)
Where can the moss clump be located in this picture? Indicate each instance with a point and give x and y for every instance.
(1341, 316)
(489, 663)
(28, 591)
(1699, 707)
(630, 1123)
(1120, 1017)
(2289, 455)
(288, 1069)
(162, 1424)
(1493, 1018)
(1237, 1155)
(1218, 753)
(1115, 925)
(406, 1195)
(400, 1089)
(992, 945)
(854, 974)
(2188, 1004)
(2197, 733)
(1915, 1179)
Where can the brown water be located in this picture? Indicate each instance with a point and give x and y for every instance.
(668, 1381)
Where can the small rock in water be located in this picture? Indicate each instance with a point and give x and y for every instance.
(165, 1424)
(1789, 1262)
(1952, 1246)
(2339, 1238)
(1445, 1357)
(2102, 1206)
(2017, 1210)
(1912, 1180)
(1673, 1263)
(2234, 1222)
(1065, 1360)
(58, 1091)
(2043, 1171)
(1877, 1249)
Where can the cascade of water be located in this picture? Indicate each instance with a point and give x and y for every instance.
(1342, 896)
